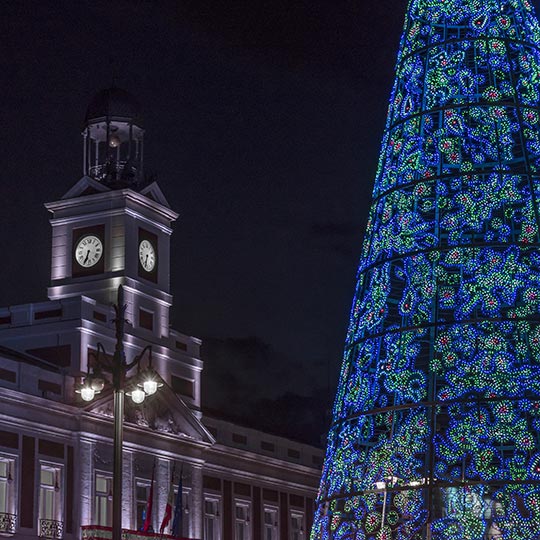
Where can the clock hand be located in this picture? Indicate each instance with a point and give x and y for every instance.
(87, 254)
(146, 260)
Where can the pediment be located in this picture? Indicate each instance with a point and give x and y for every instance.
(153, 191)
(164, 412)
(85, 186)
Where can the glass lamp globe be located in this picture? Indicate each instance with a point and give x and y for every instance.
(87, 393)
(98, 384)
(150, 387)
(114, 141)
(138, 395)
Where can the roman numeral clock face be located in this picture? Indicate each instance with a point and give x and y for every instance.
(147, 255)
(89, 251)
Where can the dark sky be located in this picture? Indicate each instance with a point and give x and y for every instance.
(263, 121)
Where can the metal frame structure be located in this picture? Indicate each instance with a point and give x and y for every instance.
(436, 429)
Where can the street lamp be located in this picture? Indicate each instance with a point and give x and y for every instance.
(144, 383)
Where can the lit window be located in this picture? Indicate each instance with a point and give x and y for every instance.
(297, 526)
(50, 501)
(103, 501)
(212, 525)
(242, 521)
(270, 523)
(7, 495)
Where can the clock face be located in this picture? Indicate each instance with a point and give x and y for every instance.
(89, 251)
(147, 255)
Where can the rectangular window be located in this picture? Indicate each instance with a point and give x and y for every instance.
(212, 524)
(182, 346)
(292, 453)
(48, 386)
(241, 521)
(146, 319)
(268, 446)
(297, 526)
(182, 386)
(142, 492)
(103, 501)
(98, 316)
(239, 439)
(50, 314)
(7, 494)
(270, 523)
(7, 375)
(50, 501)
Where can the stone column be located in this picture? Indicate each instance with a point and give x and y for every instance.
(161, 491)
(128, 489)
(86, 485)
(196, 506)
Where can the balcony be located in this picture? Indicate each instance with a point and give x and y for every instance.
(50, 528)
(8, 522)
(97, 532)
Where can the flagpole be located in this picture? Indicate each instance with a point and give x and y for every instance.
(177, 521)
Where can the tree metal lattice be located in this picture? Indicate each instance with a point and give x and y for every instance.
(436, 422)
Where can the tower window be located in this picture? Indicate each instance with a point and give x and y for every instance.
(146, 319)
(181, 345)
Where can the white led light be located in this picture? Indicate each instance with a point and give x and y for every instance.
(150, 387)
(138, 396)
(87, 393)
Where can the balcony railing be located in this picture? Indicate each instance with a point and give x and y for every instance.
(98, 532)
(8, 523)
(50, 528)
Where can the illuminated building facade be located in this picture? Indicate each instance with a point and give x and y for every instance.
(436, 422)
(56, 455)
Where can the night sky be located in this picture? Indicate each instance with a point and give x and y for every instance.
(263, 122)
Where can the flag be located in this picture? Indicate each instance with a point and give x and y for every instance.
(148, 520)
(169, 507)
(177, 521)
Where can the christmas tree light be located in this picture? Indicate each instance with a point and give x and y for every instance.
(436, 422)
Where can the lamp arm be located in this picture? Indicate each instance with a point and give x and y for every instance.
(102, 363)
(138, 358)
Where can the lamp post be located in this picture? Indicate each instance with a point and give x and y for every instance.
(94, 383)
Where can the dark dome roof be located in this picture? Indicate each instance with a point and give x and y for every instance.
(114, 103)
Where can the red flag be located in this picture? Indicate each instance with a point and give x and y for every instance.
(148, 520)
(168, 508)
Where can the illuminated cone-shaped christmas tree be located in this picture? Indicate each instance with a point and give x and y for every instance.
(436, 423)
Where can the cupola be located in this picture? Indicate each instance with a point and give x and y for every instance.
(113, 139)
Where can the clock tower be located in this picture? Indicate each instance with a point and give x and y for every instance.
(112, 227)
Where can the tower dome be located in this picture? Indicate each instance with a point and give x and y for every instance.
(114, 103)
(113, 139)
